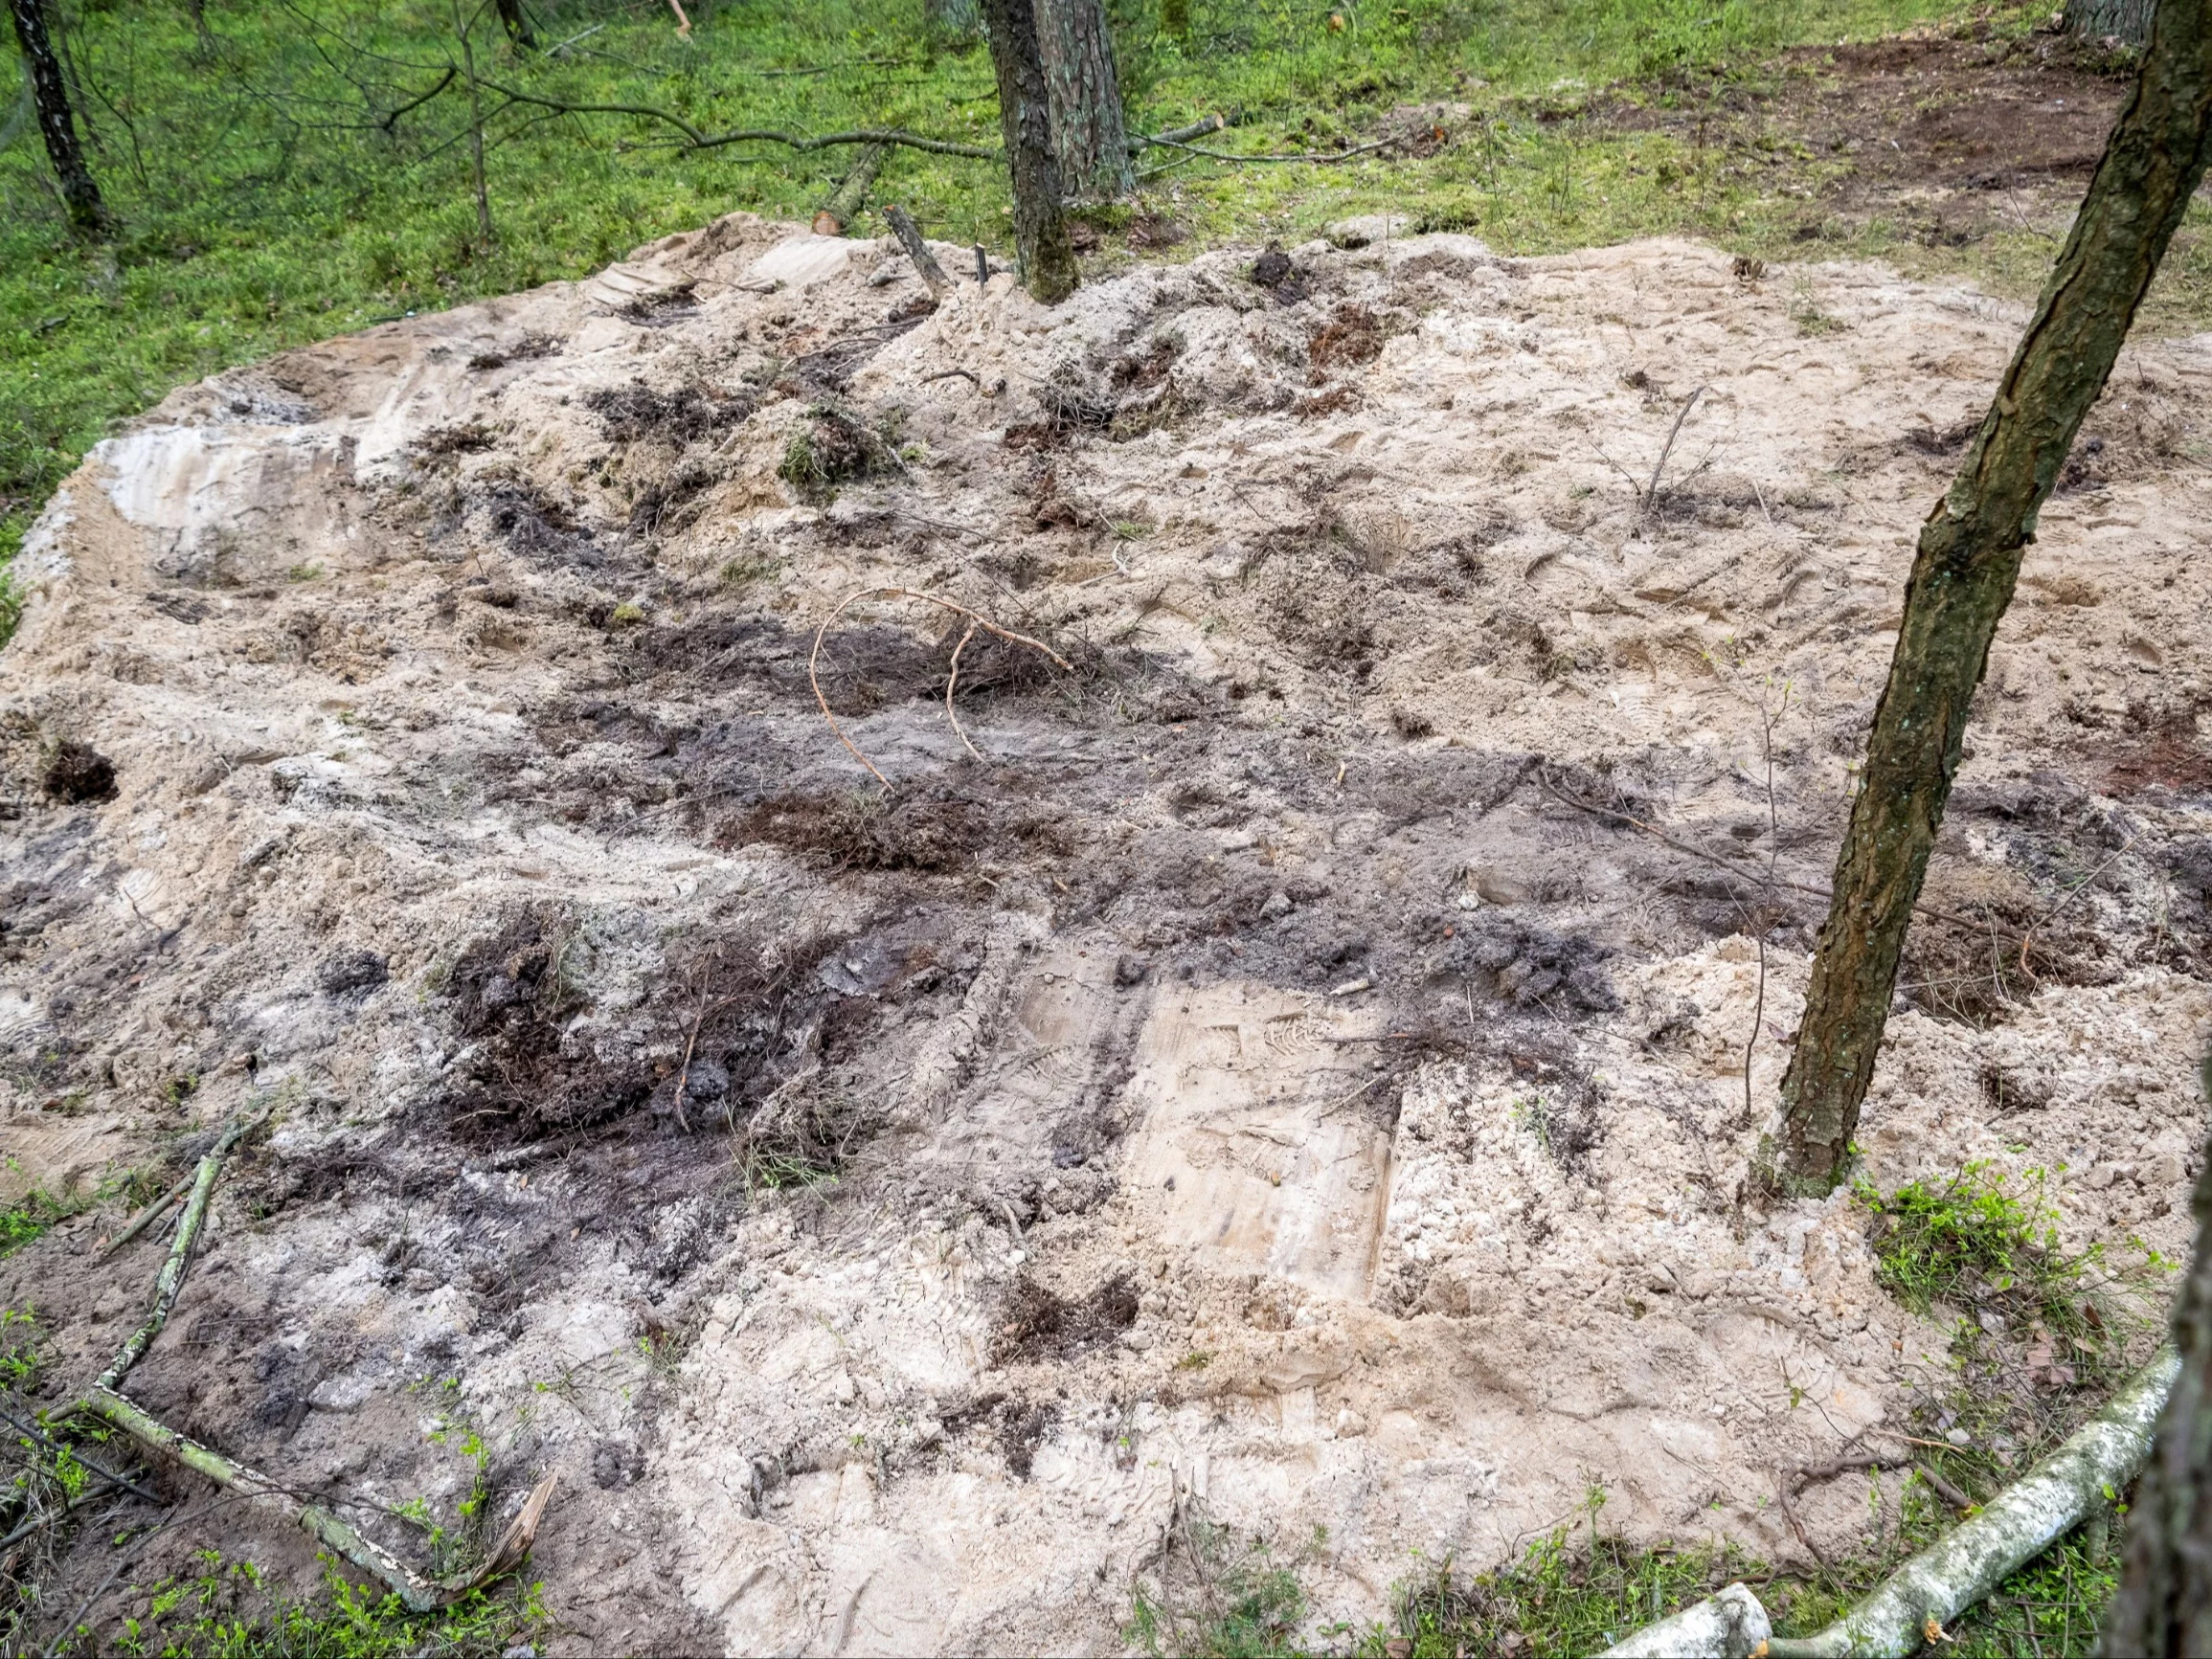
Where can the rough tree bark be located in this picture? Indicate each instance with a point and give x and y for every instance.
(516, 25)
(1088, 131)
(1040, 232)
(2165, 1605)
(2128, 19)
(1962, 580)
(79, 190)
(953, 20)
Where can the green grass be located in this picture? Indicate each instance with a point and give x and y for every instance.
(37, 1211)
(263, 200)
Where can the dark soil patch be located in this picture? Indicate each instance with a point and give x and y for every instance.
(1016, 1424)
(1979, 976)
(630, 413)
(77, 772)
(2167, 755)
(1352, 336)
(834, 449)
(1038, 1323)
(868, 832)
(1971, 119)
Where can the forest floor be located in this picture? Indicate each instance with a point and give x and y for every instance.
(1232, 1117)
(270, 194)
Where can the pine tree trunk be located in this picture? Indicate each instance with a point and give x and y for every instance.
(2128, 19)
(953, 20)
(78, 189)
(1040, 232)
(2165, 1605)
(1962, 580)
(1088, 132)
(516, 25)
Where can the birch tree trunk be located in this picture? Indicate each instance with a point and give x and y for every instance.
(1085, 94)
(79, 191)
(1040, 231)
(2165, 1605)
(1962, 580)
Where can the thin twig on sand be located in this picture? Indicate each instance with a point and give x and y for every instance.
(976, 618)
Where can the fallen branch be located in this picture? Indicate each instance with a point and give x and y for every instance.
(1331, 160)
(695, 139)
(104, 1400)
(917, 253)
(1175, 135)
(145, 1218)
(1651, 494)
(420, 1595)
(814, 658)
(171, 1280)
(843, 206)
(1911, 1608)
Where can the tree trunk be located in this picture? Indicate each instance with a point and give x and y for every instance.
(1962, 580)
(2165, 1605)
(78, 189)
(953, 20)
(516, 25)
(845, 202)
(1040, 234)
(2128, 19)
(1085, 94)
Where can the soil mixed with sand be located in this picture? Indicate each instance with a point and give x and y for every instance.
(1235, 1072)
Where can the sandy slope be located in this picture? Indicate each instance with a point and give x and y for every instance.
(1250, 1085)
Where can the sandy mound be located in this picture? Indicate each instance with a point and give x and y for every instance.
(1249, 1081)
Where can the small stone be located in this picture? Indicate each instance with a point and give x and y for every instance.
(1277, 906)
(1350, 1424)
(1131, 970)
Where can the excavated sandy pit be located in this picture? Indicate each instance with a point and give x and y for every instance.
(1249, 1083)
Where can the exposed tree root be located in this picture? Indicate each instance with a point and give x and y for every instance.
(976, 620)
(1911, 1608)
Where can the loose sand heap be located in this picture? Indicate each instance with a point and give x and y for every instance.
(1245, 1082)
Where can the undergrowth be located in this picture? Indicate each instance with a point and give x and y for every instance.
(36, 1213)
(227, 1610)
(1578, 1590)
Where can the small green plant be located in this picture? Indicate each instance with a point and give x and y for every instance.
(303, 573)
(1976, 1245)
(180, 1088)
(626, 615)
(227, 1611)
(20, 1351)
(31, 1216)
(737, 573)
(1215, 1601)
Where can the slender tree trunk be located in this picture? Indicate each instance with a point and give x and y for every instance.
(78, 189)
(1040, 232)
(2165, 1605)
(516, 25)
(483, 223)
(2129, 19)
(1085, 94)
(953, 20)
(1962, 580)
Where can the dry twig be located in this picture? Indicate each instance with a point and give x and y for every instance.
(977, 618)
